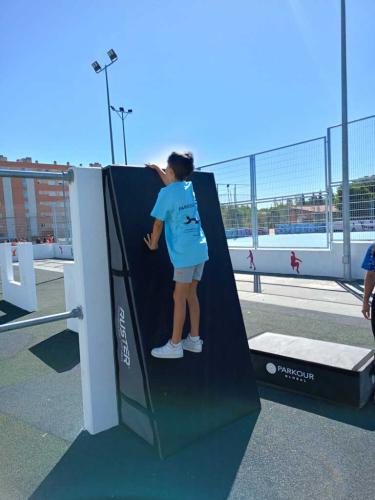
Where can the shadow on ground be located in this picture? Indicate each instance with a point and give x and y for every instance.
(10, 312)
(60, 352)
(363, 418)
(118, 464)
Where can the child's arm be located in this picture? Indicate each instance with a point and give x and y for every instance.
(369, 286)
(160, 171)
(152, 240)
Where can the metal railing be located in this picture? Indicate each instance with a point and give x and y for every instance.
(28, 323)
(38, 174)
(64, 175)
(77, 311)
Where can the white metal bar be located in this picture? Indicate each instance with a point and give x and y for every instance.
(37, 174)
(74, 313)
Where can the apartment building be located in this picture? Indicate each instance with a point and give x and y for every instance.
(33, 209)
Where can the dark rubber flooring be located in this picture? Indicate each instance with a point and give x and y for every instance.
(295, 448)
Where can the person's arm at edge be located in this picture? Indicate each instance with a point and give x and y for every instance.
(152, 240)
(160, 171)
(369, 285)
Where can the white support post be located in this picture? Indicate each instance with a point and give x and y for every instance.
(19, 293)
(70, 284)
(93, 294)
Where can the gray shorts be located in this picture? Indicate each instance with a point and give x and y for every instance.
(188, 274)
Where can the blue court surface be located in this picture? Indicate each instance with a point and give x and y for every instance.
(306, 240)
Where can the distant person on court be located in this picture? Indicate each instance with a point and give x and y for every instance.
(369, 284)
(251, 260)
(294, 261)
(176, 207)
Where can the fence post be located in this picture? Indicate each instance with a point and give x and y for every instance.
(67, 222)
(254, 218)
(346, 258)
(329, 184)
(254, 214)
(328, 201)
(54, 222)
(9, 209)
(31, 205)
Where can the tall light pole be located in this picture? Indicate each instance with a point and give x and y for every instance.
(345, 153)
(98, 69)
(123, 114)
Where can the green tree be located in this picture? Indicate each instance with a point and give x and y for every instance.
(362, 199)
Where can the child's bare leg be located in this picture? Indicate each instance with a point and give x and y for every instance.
(180, 295)
(194, 309)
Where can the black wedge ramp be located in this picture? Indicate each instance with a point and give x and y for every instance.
(171, 402)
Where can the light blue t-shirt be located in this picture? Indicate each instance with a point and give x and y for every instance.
(369, 261)
(177, 207)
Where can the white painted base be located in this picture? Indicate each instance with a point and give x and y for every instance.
(315, 262)
(63, 251)
(21, 294)
(48, 251)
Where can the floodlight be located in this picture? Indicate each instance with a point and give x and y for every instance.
(112, 55)
(96, 66)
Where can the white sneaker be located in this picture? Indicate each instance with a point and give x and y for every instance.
(192, 345)
(169, 351)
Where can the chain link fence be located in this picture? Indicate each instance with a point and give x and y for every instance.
(233, 185)
(361, 137)
(53, 221)
(291, 193)
(294, 193)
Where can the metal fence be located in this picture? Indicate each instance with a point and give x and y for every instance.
(51, 220)
(361, 137)
(22, 228)
(296, 190)
(292, 193)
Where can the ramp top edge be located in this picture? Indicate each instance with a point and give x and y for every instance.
(335, 355)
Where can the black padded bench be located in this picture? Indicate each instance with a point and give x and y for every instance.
(336, 372)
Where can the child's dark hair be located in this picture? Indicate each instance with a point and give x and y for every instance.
(182, 164)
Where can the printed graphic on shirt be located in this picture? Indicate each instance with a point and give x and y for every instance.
(177, 207)
(191, 219)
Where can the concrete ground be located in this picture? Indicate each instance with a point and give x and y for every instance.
(295, 448)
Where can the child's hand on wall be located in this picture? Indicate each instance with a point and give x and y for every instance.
(150, 243)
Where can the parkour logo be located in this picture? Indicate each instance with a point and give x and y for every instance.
(290, 373)
(124, 347)
(271, 368)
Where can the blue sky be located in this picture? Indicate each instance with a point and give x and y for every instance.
(220, 78)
